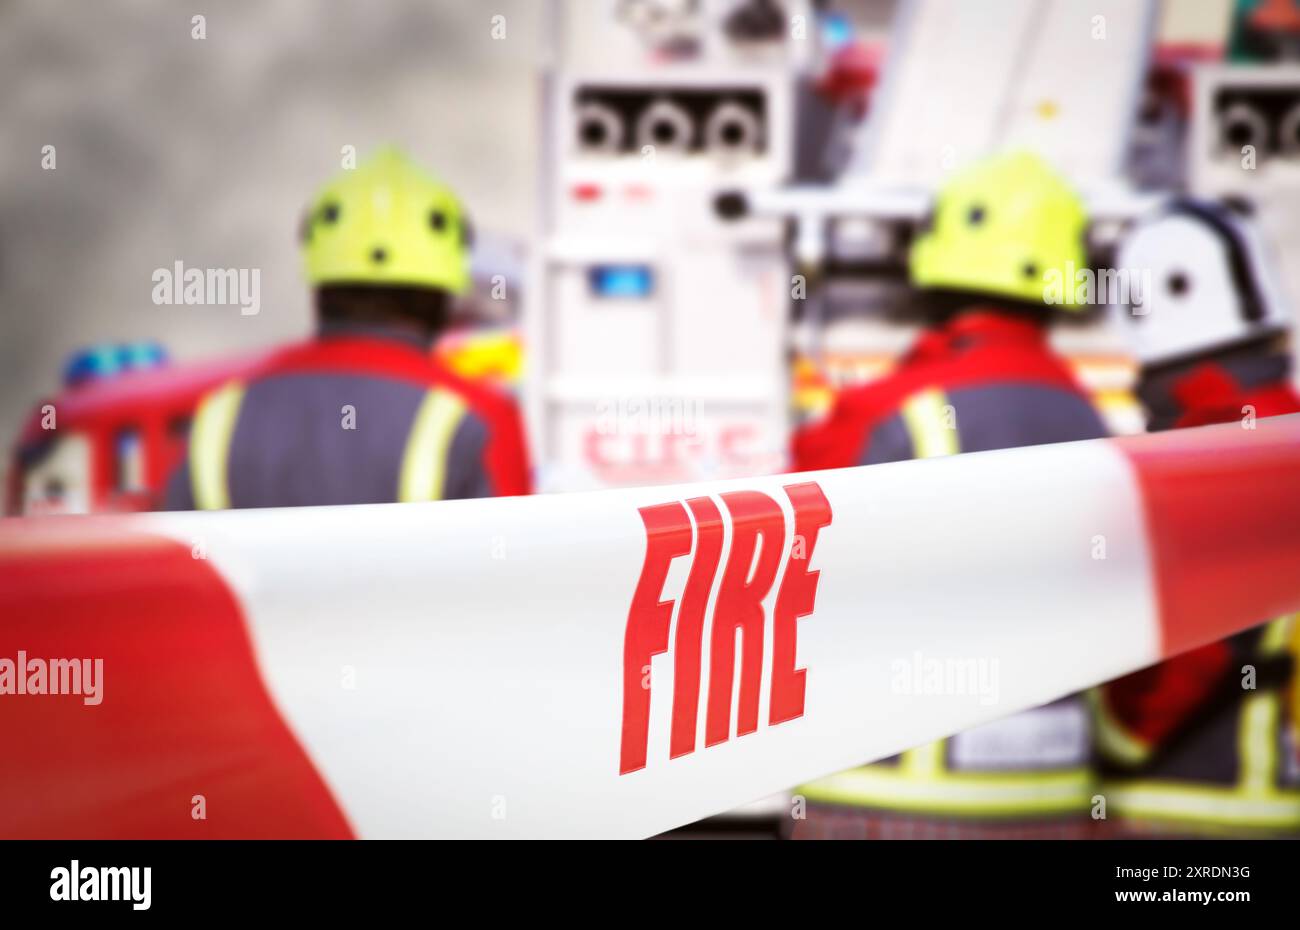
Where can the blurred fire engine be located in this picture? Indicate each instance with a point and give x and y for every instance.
(656, 331)
(109, 440)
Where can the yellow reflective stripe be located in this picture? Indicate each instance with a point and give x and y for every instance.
(1113, 740)
(1257, 738)
(1152, 800)
(424, 463)
(1261, 718)
(1293, 686)
(1274, 638)
(1255, 800)
(974, 793)
(931, 423)
(925, 761)
(210, 435)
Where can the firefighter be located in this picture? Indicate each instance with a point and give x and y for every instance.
(1205, 743)
(361, 413)
(1006, 243)
(1212, 334)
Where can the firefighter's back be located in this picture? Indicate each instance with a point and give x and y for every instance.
(1000, 386)
(348, 421)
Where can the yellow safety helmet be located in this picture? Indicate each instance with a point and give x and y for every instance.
(1008, 226)
(387, 222)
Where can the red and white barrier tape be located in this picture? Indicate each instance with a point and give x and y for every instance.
(567, 665)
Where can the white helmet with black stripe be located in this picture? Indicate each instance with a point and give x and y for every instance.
(1200, 281)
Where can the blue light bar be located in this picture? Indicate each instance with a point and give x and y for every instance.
(138, 355)
(105, 361)
(837, 30)
(92, 364)
(622, 280)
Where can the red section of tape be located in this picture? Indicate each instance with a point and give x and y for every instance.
(1223, 515)
(183, 711)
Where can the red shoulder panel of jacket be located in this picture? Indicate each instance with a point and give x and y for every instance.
(1210, 394)
(974, 350)
(1155, 704)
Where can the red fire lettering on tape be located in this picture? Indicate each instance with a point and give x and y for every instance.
(690, 626)
(758, 534)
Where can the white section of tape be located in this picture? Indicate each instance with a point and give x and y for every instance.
(486, 638)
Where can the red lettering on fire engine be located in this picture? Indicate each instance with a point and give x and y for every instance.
(758, 527)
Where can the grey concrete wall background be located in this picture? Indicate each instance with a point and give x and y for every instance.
(205, 151)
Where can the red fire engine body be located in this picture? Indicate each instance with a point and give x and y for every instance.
(109, 444)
